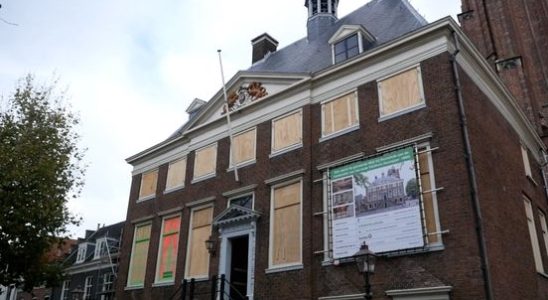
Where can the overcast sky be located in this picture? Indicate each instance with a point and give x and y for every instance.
(133, 67)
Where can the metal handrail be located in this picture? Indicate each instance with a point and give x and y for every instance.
(217, 292)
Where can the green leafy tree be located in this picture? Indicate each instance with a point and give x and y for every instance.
(412, 188)
(362, 180)
(40, 170)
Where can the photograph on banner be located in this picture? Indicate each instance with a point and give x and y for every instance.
(376, 201)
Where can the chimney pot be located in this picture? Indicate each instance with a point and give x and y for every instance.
(262, 45)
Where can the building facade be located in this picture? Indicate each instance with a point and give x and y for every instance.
(92, 266)
(376, 128)
(513, 37)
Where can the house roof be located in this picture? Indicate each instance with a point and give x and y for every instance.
(385, 19)
(112, 232)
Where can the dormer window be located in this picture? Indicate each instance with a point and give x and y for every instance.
(347, 48)
(101, 246)
(349, 41)
(81, 253)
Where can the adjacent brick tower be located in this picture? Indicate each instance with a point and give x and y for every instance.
(513, 36)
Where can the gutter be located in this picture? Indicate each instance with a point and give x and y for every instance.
(471, 175)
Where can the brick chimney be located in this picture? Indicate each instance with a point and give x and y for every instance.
(262, 45)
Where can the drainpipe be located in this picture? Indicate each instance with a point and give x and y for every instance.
(471, 175)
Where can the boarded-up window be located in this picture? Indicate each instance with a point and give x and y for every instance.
(205, 161)
(526, 163)
(286, 225)
(176, 174)
(339, 114)
(429, 203)
(198, 257)
(139, 255)
(287, 131)
(244, 147)
(544, 228)
(400, 92)
(533, 235)
(148, 184)
(167, 256)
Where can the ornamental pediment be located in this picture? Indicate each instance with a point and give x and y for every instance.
(244, 95)
(235, 214)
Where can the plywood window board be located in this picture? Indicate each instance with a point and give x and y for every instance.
(287, 131)
(169, 245)
(198, 256)
(139, 255)
(286, 227)
(176, 174)
(533, 235)
(149, 180)
(339, 114)
(400, 92)
(244, 148)
(428, 198)
(205, 161)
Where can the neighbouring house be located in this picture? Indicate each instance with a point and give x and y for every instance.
(265, 195)
(92, 266)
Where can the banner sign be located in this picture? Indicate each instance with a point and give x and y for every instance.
(376, 201)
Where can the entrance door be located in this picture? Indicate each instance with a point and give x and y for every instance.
(238, 267)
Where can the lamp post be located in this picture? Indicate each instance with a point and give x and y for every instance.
(365, 259)
(210, 245)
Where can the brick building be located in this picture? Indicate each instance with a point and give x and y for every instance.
(273, 178)
(91, 267)
(513, 37)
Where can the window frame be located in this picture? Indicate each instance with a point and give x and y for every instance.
(526, 161)
(133, 244)
(82, 252)
(291, 147)
(434, 189)
(241, 196)
(544, 229)
(289, 266)
(345, 130)
(157, 279)
(88, 285)
(344, 40)
(245, 162)
(207, 175)
(98, 245)
(406, 110)
(189, 243)
(533, 235)
(149, 196)
(65, 290)
(181, 185)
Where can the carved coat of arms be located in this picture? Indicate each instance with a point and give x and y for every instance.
(244, 95)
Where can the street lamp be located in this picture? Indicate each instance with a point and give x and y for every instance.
(365, 259)
(210, 246)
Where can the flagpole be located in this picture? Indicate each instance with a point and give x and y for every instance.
(229, 125)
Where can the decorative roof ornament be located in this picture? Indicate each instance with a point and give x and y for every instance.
(244, 95)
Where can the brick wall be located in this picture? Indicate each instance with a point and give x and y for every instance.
(497, 156)
(503, 29)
